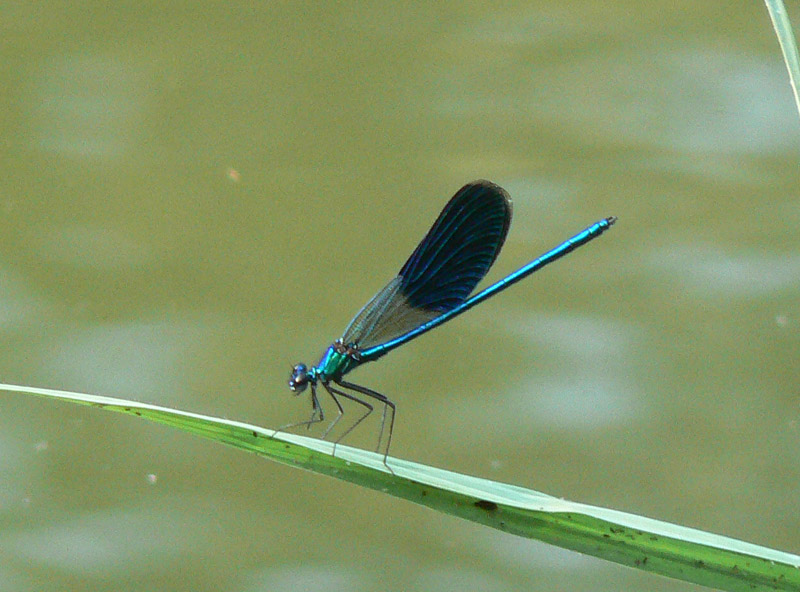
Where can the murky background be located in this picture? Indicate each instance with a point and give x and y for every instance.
(196, 196)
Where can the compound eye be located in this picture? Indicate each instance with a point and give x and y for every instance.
(298, 380)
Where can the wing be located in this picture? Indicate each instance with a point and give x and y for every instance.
(443, 270)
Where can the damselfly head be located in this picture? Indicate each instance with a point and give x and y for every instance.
(298, 381)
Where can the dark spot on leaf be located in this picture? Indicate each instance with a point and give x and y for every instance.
(486, 505)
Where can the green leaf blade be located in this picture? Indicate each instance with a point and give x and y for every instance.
(639, 542)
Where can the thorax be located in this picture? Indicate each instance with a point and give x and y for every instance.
(337, 361)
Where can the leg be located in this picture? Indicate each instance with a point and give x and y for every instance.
(331, 390)
(316, 413)
(386, 403)
(338, 408)
(315, 408)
